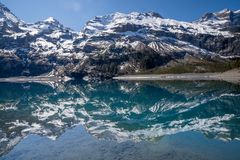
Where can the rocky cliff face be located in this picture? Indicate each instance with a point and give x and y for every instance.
(114, 44)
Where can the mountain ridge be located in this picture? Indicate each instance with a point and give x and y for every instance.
(114, 44)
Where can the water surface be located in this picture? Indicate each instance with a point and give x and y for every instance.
(120, 120)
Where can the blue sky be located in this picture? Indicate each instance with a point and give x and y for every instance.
(75, 13)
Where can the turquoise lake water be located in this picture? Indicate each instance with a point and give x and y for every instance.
(120, 120)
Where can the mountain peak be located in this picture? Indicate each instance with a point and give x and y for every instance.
(147, 14)
(2, 6)
(153, 14)
(131, 15)
(121, 21)
(6, 14)
(51, 20)
(225, 14)
(226, 10)
(223, 19)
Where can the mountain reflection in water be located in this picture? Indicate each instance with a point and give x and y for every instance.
(121, 111)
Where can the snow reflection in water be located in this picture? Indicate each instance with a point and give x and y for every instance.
(119, 111)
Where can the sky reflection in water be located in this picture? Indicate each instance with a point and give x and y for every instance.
(126, 113)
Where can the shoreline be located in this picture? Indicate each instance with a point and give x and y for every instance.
(232, 76)
(36, 79)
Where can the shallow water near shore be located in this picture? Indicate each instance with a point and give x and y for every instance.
(120, 120)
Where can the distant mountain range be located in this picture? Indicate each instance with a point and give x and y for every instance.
(118, 44)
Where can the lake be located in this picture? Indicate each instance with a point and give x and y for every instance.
(120, 120)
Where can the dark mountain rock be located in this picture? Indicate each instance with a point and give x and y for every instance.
(115, 44)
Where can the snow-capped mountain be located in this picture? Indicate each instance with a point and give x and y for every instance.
(9, 23)
(115, 44)
(30, 49)
(225, 20)
(133, 22)
(140, 41)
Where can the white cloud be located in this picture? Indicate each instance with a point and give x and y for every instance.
(72, 5)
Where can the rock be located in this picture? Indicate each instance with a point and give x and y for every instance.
(115, 44)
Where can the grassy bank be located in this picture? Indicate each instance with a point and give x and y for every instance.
(202, 67)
